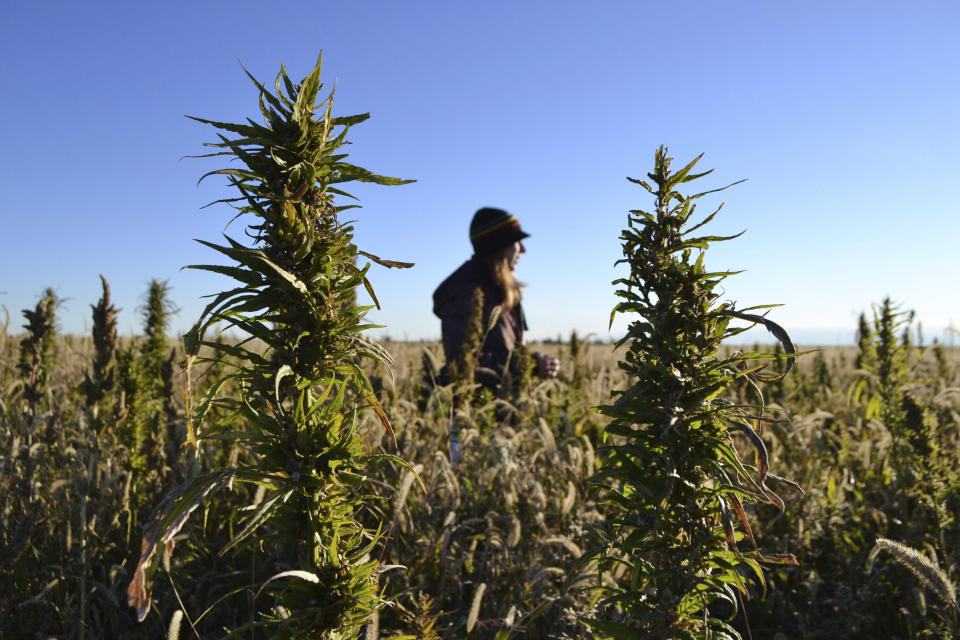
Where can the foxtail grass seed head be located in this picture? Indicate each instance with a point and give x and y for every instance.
(173, 632)
(927, 572)
(475, 606)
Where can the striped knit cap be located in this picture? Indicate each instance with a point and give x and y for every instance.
(494, 229)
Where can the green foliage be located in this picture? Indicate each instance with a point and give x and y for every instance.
(888, 398)
(156, 320)
(524, 364)
(302, 391)
(482, 520)
(866, 353)
(463, 370)
(36, 347)
(674, 474)
(944, 372)
(576, 357)
(509, 513)
(144, 415)
(883, 361)
(98, 383)
(874, 469)
(891, 366)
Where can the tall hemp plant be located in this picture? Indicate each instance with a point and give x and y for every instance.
(36, 347)
(100, 381)
(145, 428)
(302, 390)
(676, 478)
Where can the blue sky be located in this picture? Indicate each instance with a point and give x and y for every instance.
(843, 117)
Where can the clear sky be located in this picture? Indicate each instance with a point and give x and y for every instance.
(842, 115)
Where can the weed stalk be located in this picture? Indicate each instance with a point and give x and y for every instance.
(673, 474)
(302, 392)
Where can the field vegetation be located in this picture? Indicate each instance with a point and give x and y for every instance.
(278, 473)
(513, 514)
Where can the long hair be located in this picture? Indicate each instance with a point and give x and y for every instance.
(498, 268)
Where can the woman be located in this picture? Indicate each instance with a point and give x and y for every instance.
(496, 237)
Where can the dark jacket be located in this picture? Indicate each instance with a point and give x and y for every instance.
(452, 303)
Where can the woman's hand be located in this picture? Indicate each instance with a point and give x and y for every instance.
(547, 366)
